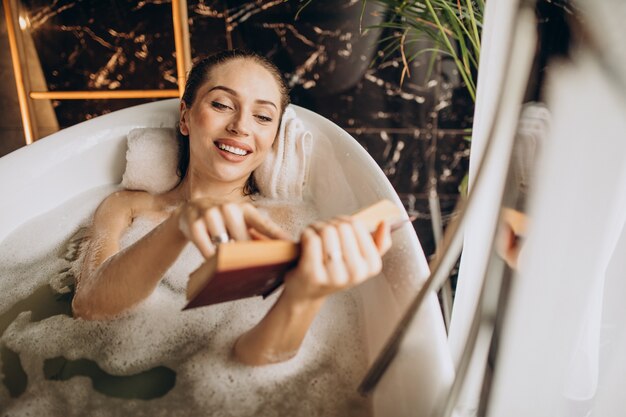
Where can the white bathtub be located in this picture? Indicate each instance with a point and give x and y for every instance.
(42, 176)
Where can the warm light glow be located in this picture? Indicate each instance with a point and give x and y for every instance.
(23, 22)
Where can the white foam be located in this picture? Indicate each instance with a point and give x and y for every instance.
(196, 344)
(292, 215)
(33, 253)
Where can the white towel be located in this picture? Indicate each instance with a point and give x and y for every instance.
(152, 158)
(284, 172)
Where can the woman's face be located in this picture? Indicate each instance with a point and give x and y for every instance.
(232, 122)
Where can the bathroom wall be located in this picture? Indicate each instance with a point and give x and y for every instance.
(415, 131)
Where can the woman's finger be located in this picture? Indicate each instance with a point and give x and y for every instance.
(312, 249)
(333, 255)
(310, 275)
(235, 222)
(256, 235)
(356, 266)
(368, 248)
(262, 224)
(215, 225)
(201, 238)
(312, 258)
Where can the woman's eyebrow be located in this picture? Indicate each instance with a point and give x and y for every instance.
(234, 93)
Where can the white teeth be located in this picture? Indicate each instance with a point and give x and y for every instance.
(232, 149)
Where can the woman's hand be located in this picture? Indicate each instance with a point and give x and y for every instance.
(207, 223)
(335, 256)
(511, 233)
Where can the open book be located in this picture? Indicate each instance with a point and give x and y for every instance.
(256, 267)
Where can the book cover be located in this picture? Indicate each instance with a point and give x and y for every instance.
(257, 267)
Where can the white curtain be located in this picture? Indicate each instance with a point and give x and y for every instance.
(564, 341)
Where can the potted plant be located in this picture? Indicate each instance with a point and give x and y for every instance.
(454, 26)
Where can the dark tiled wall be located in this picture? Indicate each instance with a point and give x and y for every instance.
(414, 130)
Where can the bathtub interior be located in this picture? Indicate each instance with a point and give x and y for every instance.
(42, 176)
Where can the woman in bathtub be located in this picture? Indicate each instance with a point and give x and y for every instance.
(229, 117)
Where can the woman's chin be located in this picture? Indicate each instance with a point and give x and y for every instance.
(218, 169)
(232, 175)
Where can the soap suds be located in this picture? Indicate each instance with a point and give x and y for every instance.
(320, 381)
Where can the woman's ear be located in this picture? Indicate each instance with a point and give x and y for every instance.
(182, 123)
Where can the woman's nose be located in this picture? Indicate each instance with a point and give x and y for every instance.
(239, 125)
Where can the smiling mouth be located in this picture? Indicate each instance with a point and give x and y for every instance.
(232, 149)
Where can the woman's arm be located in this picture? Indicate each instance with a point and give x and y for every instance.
(112, 281)
(335, 256)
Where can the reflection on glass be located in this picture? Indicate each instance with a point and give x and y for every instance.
(532, 131)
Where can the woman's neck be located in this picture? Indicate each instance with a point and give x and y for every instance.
(192, 188)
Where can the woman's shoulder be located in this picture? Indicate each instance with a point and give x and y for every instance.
(124, 205)
(116, 207)
(130, 204)
(125, 200)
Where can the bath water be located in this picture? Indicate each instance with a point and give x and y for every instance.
(75, 367)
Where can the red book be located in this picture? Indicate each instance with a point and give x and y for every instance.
(257, 267)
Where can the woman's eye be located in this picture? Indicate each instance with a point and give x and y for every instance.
(219, 106)
(264, 118)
